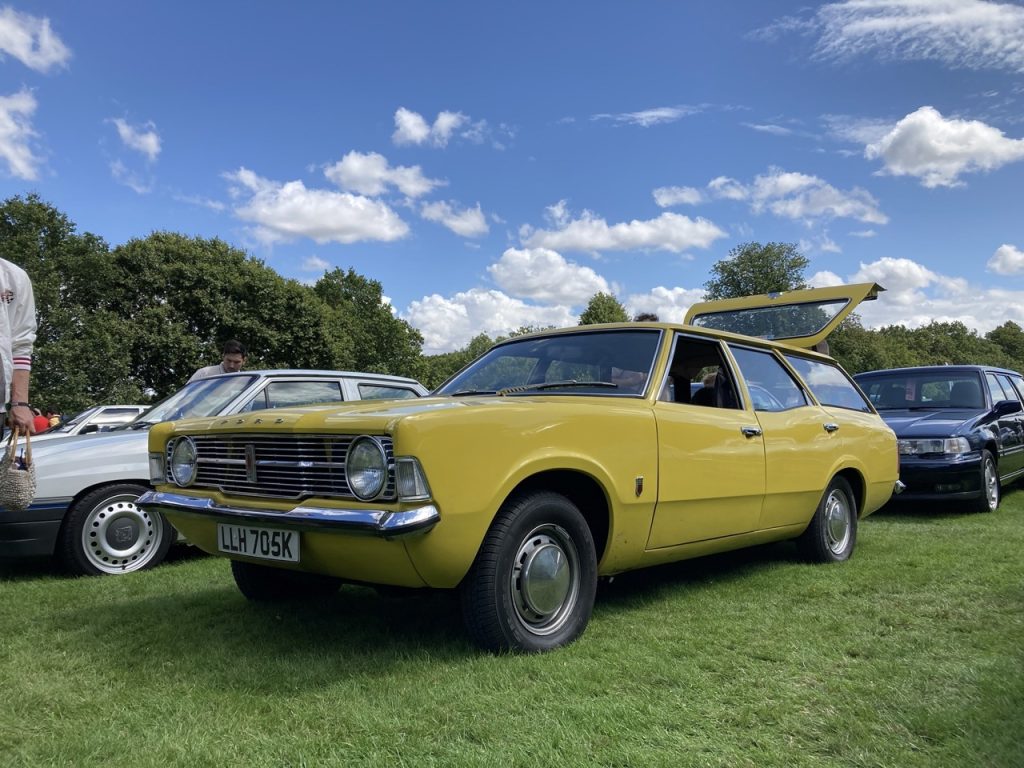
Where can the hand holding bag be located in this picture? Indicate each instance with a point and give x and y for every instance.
(17, 475)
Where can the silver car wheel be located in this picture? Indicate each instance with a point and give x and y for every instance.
(991, 481)
(545, 579)
(838, 526)
(118, 536)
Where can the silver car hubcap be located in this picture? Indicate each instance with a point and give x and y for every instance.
(837, 522)
(991, 485)
(118, 536)
(545, 579)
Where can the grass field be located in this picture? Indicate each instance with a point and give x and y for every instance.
(908, 655)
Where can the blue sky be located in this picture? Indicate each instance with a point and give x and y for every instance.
(494, 166)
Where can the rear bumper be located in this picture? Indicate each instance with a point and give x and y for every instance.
(379, 522)
(32, 532)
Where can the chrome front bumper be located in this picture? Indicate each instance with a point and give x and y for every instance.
(899, 488)
(378, 522)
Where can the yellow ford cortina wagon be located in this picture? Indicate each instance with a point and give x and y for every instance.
(554, 459)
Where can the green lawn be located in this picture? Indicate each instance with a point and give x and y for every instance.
(908, 655)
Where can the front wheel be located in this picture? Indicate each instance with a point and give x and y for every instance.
(989, 500)
(105, 532)
(532, 585)
(832, 533)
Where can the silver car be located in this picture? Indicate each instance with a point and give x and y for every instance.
(85, 513)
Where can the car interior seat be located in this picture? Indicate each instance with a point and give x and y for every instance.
(704, 396)
(966, 394)
(725, 397)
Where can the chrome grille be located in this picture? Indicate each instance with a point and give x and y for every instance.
(279, 466)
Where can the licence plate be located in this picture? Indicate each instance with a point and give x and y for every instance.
(264, 543)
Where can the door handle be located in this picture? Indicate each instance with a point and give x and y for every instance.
(830, 426)
(750, 431)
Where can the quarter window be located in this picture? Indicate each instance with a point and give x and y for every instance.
(829, 384)
(771, 386)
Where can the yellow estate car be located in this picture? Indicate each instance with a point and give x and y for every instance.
(554, 459)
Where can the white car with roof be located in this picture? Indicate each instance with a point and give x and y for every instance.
(99, 418)
(84, 512)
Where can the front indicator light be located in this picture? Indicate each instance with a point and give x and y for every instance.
(366, 468)
(157, 468)
(411, 481)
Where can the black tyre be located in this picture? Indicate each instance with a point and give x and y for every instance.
(990, 491)
(265, 584)
(832, 533)
(104, 532)
(532, 585)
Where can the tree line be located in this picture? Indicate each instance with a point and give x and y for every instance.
(130, 324)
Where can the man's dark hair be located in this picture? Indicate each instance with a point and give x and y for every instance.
(640, 317)
(234, 347)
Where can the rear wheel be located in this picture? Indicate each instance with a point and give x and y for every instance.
(990, 493)
(532, 585)
(106, 533)
(265, 584)
(832, 533)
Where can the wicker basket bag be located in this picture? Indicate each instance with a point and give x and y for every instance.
(17, 474)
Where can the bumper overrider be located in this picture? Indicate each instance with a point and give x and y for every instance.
(377, 522)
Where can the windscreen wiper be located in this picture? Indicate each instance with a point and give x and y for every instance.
(556, 385)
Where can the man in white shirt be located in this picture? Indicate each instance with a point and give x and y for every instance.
(17, 336)
(233, 357)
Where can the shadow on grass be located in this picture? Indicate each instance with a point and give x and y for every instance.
(44, 567)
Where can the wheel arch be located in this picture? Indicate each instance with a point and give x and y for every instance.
(857, 485)
(95, 486)
(581, 489)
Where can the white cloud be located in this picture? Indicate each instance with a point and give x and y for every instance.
(808, 198)
(545, 276)
(973, 34)
(315, 264)
(450, 323)
(1007, 260)
(665, 197)
(202, 202)
(371, 174)
(648, 117)
(824, 279)
(134, 181)
(16, 133)
(30, 40)
(668, 232)
(284, 211)
(669, 304)
(412, 128)
(469, 222)
(774, 130)
(938, 150)
(142, 138)
(729, 189)
(917, 296)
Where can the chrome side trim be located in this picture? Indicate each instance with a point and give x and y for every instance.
(378, 522)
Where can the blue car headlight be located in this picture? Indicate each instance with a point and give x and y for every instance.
(932, 445)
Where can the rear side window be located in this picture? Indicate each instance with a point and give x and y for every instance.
(281, 394)
(383, 392)
(771, 386)
(829, 384)
(995, 389)
(1018, 383)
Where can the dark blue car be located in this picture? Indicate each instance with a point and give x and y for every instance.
(960, 429)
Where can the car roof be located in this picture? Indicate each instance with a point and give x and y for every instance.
(317, 372)
(935, 369)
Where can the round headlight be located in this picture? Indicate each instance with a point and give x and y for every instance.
(366, 467)
(183, 461)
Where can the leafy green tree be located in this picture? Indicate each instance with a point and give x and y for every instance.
(603, 308)
(1010, 338)
(751, 269)
(378, 340)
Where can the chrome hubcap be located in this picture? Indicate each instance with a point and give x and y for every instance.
(837, 522)
(118, 536)
(991, 485)
(545, 580)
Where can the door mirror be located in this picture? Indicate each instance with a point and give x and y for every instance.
(1006, 407)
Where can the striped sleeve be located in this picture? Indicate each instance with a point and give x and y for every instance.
(22, 362)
